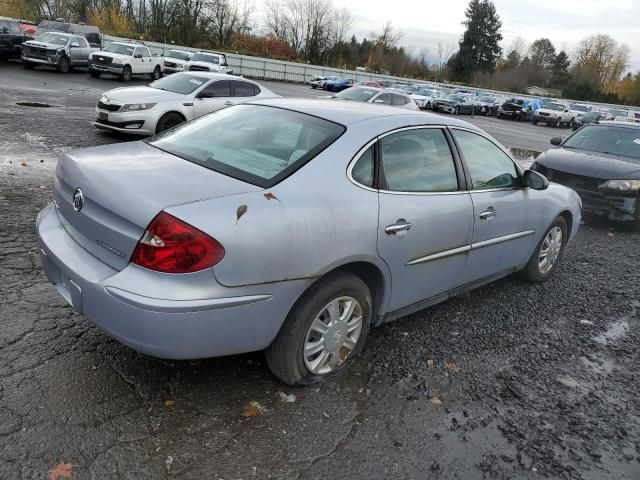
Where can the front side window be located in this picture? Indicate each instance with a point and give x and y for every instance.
(75, 43)
(488, 166)
(83, 43)
(253, 143)
(417, 161)
(221, 88)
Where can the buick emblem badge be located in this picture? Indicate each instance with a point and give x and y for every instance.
(78, 200)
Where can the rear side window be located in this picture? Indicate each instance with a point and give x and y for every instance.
(245, 89)
(399, 100)
(488, 165)
(417, 160)
(363, 169)
(257, 144)
(383, 98)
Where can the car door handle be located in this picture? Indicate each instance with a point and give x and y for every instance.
(401, 225)
(490, 212)
(228, 103)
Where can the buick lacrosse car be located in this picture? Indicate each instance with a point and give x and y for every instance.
(292, 226)
(172, 100)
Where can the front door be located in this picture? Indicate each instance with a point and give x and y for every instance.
(214, 96)
(426, 220)
(502, 221)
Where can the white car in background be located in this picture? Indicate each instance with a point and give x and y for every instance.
(379, 96)
(124, 60)
(176, 61)
(424, 97)
(209, 62)
(172, 100)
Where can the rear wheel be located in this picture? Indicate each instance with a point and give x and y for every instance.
(570, 124)
(64, 65)
(126, 73)
(169, 120)
(548, 253)
(456, 111)
(324, 331)
(155, 75)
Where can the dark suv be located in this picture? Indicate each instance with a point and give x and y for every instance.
(12, 34)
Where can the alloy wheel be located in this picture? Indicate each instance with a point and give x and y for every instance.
(550, 250)
(333, 335)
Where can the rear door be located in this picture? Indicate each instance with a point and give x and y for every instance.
(502, 220)
(214, 96)
(426, 219)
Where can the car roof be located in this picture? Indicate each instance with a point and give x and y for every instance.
(217, 76)
(350, 112)
(63, 34)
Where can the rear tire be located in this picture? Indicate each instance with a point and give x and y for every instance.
(156, 74)
(339, 343)
(126, 74)
(548, 253)
(169, 120)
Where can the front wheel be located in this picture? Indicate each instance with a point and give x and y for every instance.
(168, 120)
(126, 73)
(155, 75)
(94, 73)
(64, 65)
(548, 253)
(570, 124)
(324, 331)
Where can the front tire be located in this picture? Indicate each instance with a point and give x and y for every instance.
(168, 120)
(323, 333)
(28, 65)
(64, 65)
(94, 73)
(548, 253)
(126, 73)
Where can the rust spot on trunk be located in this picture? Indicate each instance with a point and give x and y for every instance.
(242, 209)
(271, 196)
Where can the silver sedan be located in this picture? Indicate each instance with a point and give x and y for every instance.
(292, 226)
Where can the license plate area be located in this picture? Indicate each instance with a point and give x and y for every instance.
(69, 290)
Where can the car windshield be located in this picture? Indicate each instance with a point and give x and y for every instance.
(580, 108)
(456, 98)
(357, 94)
(554, 106)
(607, 139)
(119, 48)
(487, 99)
(257, 144)
(205, 57)
(178, 54)
(183, 83)
(55, 38)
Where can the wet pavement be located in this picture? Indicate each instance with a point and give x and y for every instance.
(512, 381)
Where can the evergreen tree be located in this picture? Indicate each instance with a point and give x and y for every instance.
(480, 45)
(560, 69)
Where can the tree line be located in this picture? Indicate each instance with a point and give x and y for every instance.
(317, 32)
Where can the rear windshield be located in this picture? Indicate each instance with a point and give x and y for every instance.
(357, 94)
(205, 57)
(257, 144)
(605, 139)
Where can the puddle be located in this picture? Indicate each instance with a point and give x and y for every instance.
(35, 104)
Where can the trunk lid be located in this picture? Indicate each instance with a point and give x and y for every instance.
(124, 186)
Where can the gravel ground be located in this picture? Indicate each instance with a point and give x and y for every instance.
(514, 381)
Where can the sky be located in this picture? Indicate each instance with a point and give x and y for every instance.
(564, 22)
(427, 22)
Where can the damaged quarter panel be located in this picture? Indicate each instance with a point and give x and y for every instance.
(306, 225)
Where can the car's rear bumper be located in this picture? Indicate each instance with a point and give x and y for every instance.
(221, 322)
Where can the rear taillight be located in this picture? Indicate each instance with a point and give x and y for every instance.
(171, 246)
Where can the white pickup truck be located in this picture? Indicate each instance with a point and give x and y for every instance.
(554, 114)
(125, 60)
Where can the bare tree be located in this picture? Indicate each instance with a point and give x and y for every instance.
(276, 21)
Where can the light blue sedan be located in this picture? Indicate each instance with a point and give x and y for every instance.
(293, 226)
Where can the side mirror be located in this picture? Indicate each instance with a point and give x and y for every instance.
(535, 180)
(556, 141)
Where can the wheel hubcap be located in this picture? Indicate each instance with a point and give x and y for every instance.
(550, 249)
(333, 335)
